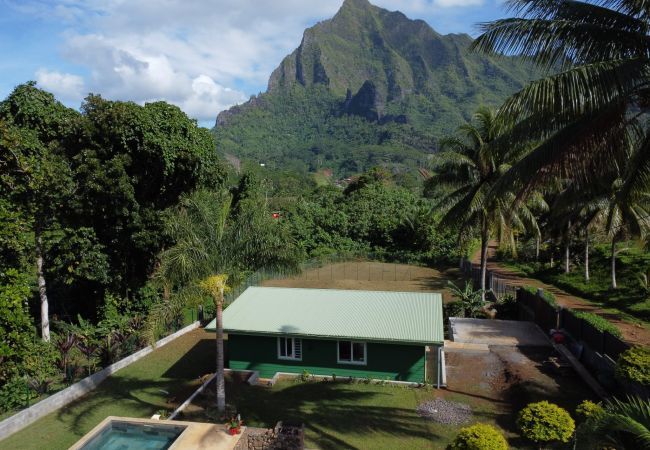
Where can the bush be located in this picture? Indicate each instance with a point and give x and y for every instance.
(634, 365)
(598, 322)
(588, 410)
(545, 422)
(480, 436)
(547, 296)
(16, 393)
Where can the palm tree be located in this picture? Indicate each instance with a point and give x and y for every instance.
(216, 286)
(212, 240)
(579, 116)
(620, 425)
(471, 165)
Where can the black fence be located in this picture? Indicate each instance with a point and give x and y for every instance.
(602, 342)
(535, 308)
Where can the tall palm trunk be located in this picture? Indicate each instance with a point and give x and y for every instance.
(613, 267)
(567, 255)
(537, 239)
(221, 384)
(586, 253)
(484, 249)
(42, 291)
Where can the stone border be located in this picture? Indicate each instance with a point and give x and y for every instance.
(30, 415)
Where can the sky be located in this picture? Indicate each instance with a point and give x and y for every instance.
(202, 55)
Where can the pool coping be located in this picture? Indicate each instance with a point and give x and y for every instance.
(196, 435)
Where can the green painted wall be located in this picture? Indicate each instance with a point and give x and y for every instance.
(385, 361)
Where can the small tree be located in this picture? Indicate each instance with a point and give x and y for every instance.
(470, 302)
(480, 436)
(545, 423)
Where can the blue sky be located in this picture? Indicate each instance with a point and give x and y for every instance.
(202, 55)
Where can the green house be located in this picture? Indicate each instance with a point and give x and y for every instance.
(347, 333)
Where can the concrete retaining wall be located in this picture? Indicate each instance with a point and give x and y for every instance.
(30, 415)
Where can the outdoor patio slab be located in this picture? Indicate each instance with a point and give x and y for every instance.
(497, 332)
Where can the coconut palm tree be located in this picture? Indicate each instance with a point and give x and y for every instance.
(471, 166)
(578, 116)
(212, 241)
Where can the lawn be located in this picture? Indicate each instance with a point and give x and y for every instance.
(344, 415)
(161, 380)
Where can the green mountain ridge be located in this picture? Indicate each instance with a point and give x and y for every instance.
(367, 87)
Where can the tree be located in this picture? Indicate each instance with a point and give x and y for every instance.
(472, 165)
(212, 244)
(578, 117)
(37, 178)
(215, 286)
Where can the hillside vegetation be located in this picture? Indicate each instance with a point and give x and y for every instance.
(367, 87)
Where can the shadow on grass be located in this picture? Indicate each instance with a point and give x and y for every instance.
(143, 388)
(336, 415)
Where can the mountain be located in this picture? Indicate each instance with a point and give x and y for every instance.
(367, 87)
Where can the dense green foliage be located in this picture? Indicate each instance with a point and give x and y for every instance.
(634, 365)
(82, 195)
(616, 424)
(373, 215)
(365, 88)
(545, 422)
(479, 436)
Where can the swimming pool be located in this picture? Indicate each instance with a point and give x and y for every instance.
(121, 435)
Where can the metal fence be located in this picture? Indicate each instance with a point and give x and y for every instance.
(499, 286)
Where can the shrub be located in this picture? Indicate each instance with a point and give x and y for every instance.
(598, 322)
(480, 436)
(15, 394)
(634, 365)
(547, 296)
(545, 422)
(588, 410)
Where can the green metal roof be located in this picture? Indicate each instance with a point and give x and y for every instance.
(414, 317)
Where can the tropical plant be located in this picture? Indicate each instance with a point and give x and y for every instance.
(618, 424)
(587, 112)
(470, 302)
(216, 286)
(545, 423)
(65, 344)
(471, 165)
(479, 436)
(215, 241)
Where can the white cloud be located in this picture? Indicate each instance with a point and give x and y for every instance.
(66, 86)
(202, 55)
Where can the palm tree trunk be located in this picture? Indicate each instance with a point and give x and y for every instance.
(614, 263)
(221, 385)
(42, 291)
(484, 248)
(537, 239)
(587, 254)
(567, 267)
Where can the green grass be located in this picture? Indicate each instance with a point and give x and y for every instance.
(345, 415)
(629, 299)
(135, 391)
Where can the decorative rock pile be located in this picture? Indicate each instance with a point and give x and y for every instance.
(445, 411)
(284, 437)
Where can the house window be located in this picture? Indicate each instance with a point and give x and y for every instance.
(290, 348)
(351, 352)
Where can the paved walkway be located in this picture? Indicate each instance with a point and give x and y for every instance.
(632, 332)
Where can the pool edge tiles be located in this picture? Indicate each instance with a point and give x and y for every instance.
(195, 435)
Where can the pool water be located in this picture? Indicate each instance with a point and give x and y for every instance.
(119, 435)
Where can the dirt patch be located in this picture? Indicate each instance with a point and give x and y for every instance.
(374, 276)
